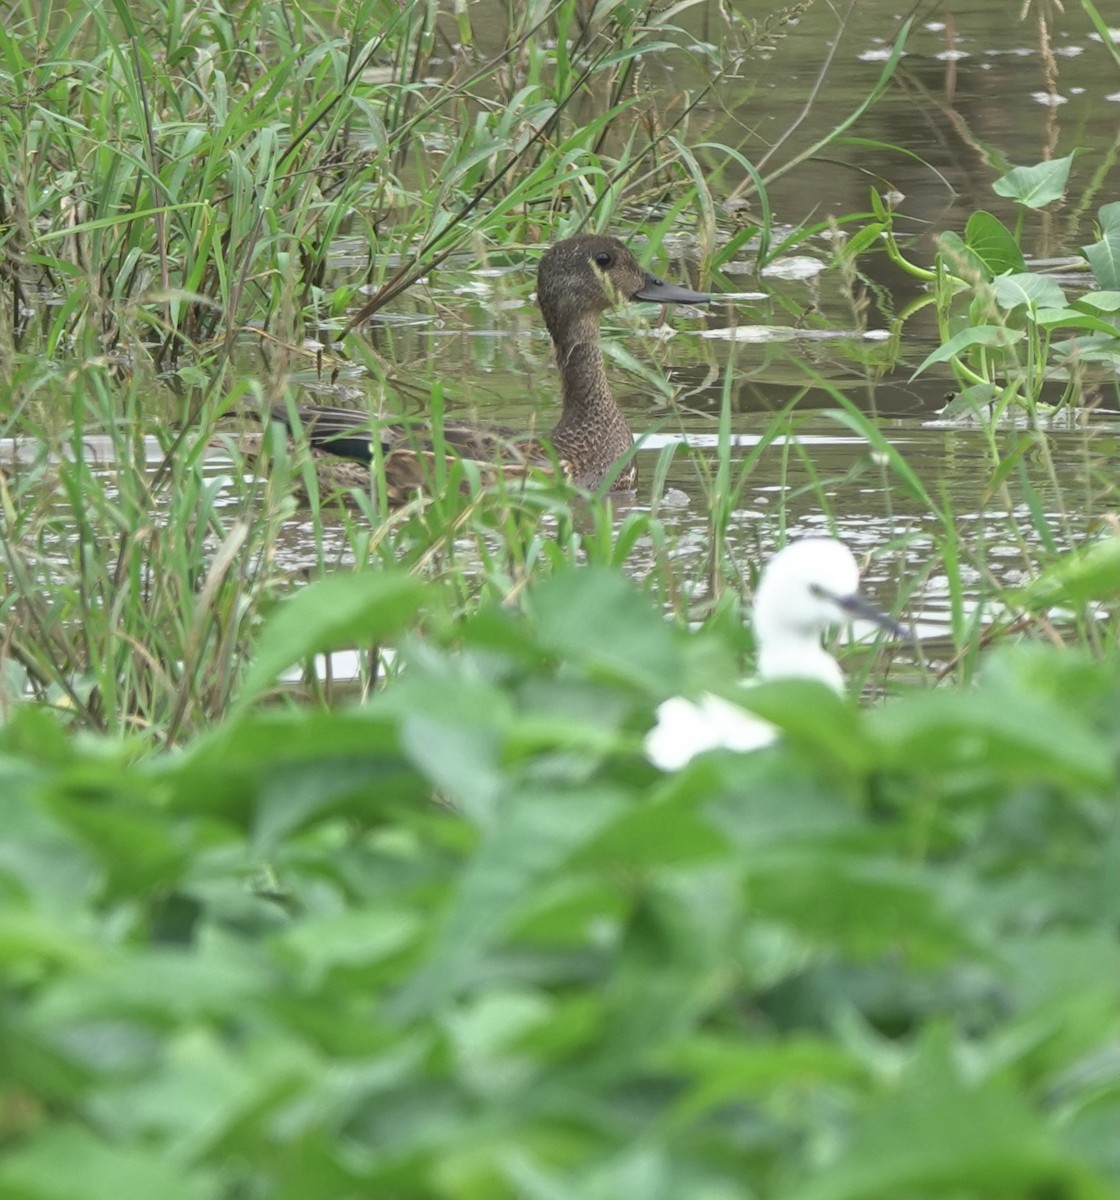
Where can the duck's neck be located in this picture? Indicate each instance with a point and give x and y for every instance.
(592, 431)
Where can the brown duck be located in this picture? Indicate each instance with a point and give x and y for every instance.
(577, 281)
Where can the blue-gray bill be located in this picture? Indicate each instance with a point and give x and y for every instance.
(859, 606)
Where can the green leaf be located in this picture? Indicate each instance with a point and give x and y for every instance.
(991, 240)
(531, 836)
(1070, 679)
(31, 938)
(461, 758)
(723, 1069)
(864, 908)
(1074, 318)
(1090, 348)
(136, 847)
(206, 1092)
(319, 944)
(299, 794)
(37, 854)
(960, 260)
(276, 770)
(937, 1133)
(1109, 217)
(1026, 290)
(773, 799)
(37, 734)
(1104, 255)
(1106, 301)
(1088, 573)
(1037, 186)
(997, 337)
(168, 985)
(598, 618)
(454, 727)
(67, 1162)
(656, 835)
(869, 236)
(342, 610)
(810, 714)
(990, 733)
(124, 12)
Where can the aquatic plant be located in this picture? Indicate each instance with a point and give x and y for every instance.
(1001, 320)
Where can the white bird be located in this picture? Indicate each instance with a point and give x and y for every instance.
(805, 589)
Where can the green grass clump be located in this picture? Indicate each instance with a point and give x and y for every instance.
(173, 179)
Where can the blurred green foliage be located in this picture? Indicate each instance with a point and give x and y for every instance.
(462, 941)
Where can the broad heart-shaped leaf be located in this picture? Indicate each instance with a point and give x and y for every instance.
(341, 610)
(935, 1133)
(959, 259)
(67, 1162)
(598, 618)
(1023, 289)
(1104, 255)
(1109, 217)
(991, 336)
(988, 237)
(1037, 186)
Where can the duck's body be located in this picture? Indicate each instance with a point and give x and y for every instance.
(343, 450)
(577, 281)
(806, 588)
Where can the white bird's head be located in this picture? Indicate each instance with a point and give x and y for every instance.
(806, 588)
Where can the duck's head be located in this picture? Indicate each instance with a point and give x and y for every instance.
(580, 277)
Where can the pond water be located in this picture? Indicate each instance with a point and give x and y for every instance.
(978, 91)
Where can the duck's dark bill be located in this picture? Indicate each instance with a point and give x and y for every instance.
(669, 293)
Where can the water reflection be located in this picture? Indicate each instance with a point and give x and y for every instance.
(974, 95)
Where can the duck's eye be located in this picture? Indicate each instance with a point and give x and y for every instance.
(603, 259)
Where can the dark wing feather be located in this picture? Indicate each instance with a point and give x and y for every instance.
(345, 432)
